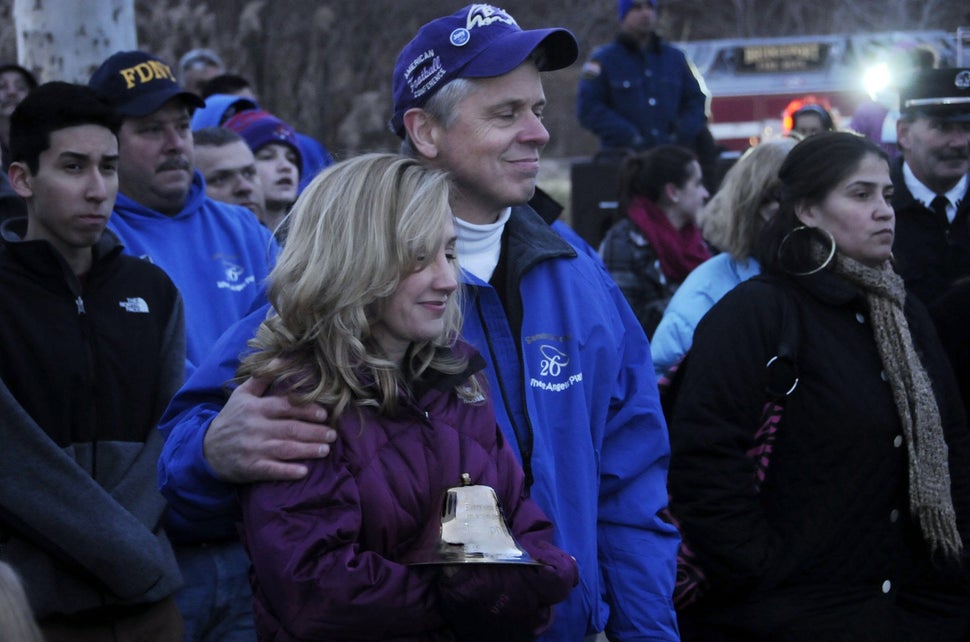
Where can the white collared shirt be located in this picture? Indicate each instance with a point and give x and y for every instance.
(925, 195)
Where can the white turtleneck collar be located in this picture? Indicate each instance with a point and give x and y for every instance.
(479, 246)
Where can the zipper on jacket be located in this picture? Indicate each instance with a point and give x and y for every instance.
(523, 436)
(90, 420)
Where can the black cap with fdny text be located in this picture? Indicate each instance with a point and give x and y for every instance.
(137, 84)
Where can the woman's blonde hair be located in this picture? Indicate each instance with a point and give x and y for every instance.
(357, 229)
(731, 221)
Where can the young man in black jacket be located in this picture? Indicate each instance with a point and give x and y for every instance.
(91, 349)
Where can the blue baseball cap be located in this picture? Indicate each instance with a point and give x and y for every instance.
(137, 84)
(478, 41)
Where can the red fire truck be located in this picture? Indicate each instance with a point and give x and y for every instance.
(751, 82)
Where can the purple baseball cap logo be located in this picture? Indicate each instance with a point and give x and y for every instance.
(478, 41)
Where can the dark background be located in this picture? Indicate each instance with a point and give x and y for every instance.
(325, 65)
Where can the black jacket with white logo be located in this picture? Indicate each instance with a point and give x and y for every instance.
(87, 366)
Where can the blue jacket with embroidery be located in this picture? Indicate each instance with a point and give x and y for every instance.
(580, 409)
(217, 254)
(640, 98)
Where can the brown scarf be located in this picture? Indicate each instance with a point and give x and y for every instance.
(929, 475)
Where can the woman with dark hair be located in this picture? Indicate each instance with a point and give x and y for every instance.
(731, 222)
(655, 243)
(857, 529)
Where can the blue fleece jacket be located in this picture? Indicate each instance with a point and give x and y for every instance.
(218, 255)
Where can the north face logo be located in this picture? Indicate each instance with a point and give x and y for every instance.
(134, 304)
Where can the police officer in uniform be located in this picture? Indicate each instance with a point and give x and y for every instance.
(932, 245)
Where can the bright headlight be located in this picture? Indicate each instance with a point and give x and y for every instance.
(876, 79)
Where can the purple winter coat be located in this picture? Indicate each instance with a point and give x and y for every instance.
(327, 549)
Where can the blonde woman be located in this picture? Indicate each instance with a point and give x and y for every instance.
(366, 323)
(731, 222)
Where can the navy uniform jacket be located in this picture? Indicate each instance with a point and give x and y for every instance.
(928, 253)
(639, 98)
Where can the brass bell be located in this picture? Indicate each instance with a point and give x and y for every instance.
(473, 530)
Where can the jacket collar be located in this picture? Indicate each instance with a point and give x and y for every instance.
(530, 236)
(40, 256)
(433, 380)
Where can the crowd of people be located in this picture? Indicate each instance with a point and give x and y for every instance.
(243, 382)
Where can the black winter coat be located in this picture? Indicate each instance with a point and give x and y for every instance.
(828, 548)
(930, 254)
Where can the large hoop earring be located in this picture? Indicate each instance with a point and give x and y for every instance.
(809, 230)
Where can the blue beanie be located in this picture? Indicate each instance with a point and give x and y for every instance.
(623, 6)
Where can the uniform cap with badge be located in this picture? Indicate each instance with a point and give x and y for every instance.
(938, 93)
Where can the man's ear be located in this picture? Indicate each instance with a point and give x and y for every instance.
(902, 133)
(672, 192)
(422, 129)
(20, 179)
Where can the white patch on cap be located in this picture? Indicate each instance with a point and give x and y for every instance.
(482, 15)
(460, 37)
(962, 80)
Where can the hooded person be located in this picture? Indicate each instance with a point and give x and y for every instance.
(278, 160)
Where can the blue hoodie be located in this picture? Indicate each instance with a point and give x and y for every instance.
(217, 254)
(215, 106)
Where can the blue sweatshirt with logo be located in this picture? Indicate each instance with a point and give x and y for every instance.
(217, 254)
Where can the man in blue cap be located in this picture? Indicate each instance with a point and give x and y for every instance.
(566, 354)
(932, 245)
(638, 91)
(567, 358)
